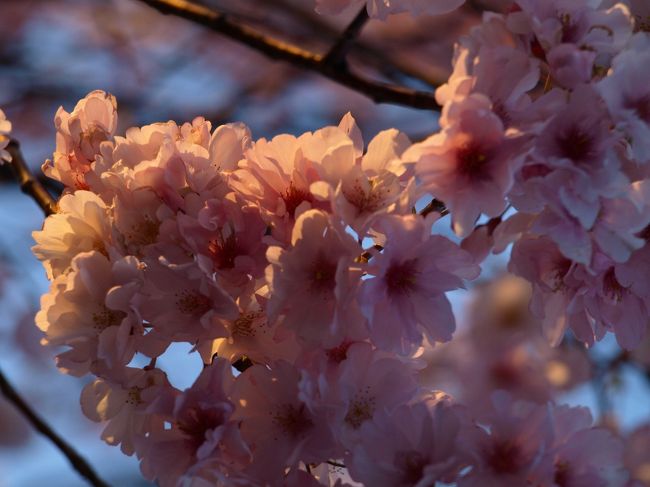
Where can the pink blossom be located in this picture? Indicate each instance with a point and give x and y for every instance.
(469, 165)
(590, 302)
(506, 452)
(226, 239)
(580, 456)
(251, 336)
(423, 447)
(80, 225)
(181, 304)
(628, 98)
(90, 311)
(571, 66)
(276, 176)
(313, 283)
(277, 424)
(635, 454)
(204, 440)
(364, 384)
(405, 295)
(122, 402)
(580, 22)
(137, 218)
(79, 136)
(361, 189)
(491, 61)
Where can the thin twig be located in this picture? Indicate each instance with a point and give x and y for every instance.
(242, 364)
(338, 52)
(435, 205)
(378, 91)
(78, 463)
(28, 183)
(390, 65)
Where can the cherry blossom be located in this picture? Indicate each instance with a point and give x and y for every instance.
(424, 447)
(470, 165)
(405, 295)
(79, 137)
(204, 440)
(313, 282)
(122, 401)
(277, 424)
(90, 311)
(301, 261)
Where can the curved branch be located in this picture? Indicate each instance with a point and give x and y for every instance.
(28, 183)
(378, 91)
(78, 463)
(339, 50)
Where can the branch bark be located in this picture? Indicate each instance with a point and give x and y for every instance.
(76, 460)
(277, 49)
(28, 183)
(338, 52)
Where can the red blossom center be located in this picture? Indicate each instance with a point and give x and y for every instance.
(401, 277)
(322, 274)
(577, 145)
(338, 354)
(640, 106)
(472, 161)
(504, 457)
(224, 251)
(362, 408)
(293, 196)
(105, 317)
(611, 287)
(193, 303)
(196, 422)
(411, 463)
(293, 420)
(534, 171)
(505, 375)
(562, 475)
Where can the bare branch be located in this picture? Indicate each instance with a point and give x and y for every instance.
(77, 461)
(435, 205)
(338, 52)
(378, 91)
(28, 183)
(391, 66)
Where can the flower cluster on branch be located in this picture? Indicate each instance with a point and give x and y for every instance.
(302, 257)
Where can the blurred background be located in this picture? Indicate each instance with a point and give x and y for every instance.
(162, 68)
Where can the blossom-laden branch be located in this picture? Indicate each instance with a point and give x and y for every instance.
(76, 460)
(378, 91)
(28, 183)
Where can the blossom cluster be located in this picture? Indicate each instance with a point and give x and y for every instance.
(546, 113)
(301, 261)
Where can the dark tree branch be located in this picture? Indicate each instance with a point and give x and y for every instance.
(337, 54)
(28, 183)
(242, 364)
(378, 91)
(435, 205)
(391, 66)
(78, 463)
